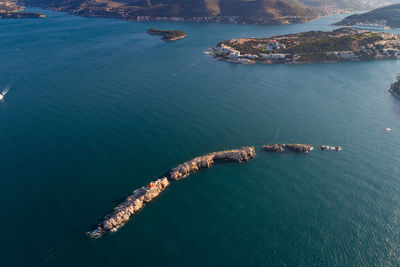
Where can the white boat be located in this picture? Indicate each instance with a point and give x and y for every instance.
(2, 94)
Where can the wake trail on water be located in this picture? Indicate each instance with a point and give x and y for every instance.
(276, 134)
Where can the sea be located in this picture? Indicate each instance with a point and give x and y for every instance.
(97, 108)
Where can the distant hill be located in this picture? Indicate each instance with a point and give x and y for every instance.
(185, 8)
(349, 4)
(388, 15)
(248, 11)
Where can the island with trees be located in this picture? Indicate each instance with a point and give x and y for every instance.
(309, 47)
(168, 35)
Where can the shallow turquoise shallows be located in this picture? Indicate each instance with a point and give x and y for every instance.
(98, 108)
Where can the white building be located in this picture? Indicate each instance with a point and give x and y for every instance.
(273, 56)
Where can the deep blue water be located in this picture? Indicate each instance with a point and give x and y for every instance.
(97, 108)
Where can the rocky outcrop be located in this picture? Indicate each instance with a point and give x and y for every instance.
(126, 209)
(395, 87)
(237, 155)
(134, 202)
(298, 148)
(274, 148)
(331, 148)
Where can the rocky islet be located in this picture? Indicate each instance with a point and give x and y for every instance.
(137, 200)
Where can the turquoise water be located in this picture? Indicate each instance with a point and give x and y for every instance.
(97, 108)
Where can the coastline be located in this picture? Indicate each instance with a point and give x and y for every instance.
(286, 20)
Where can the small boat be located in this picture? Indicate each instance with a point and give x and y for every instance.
(2, 94)
(388, 130)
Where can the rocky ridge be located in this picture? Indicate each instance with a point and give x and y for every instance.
(137, 200)
(126, 209)
(134, 202)
(185, 169)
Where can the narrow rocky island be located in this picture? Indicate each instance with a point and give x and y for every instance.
(140, 197)
(134, 202)
(126, 209)
(168, 35)
(395, 87)
(309, 47)
(238, 155)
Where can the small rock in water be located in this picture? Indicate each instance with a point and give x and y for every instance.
(331, 148)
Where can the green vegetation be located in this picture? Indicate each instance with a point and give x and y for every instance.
(168, 35)
(314, 46)
(308, 42)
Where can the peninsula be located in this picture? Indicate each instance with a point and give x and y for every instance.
(309, 47)
(12, 9)
(168, 35)
(385, 16)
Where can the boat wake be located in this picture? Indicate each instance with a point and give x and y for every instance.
(4, 92)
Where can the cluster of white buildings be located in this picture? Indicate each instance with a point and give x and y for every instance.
(343, 54)
(235, 55)
(274, 56)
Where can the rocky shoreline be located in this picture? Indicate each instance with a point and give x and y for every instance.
(395, 87)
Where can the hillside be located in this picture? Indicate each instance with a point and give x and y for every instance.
(388, 15)
(131, 9)
(348, 4)
(231, 11)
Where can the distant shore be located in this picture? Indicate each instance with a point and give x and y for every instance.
(120, 14)
(20, 15)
